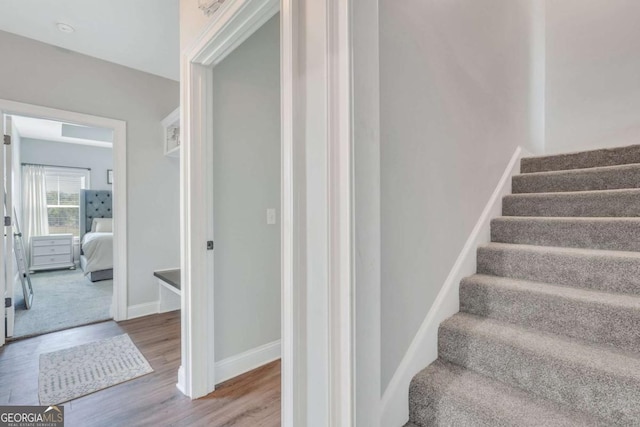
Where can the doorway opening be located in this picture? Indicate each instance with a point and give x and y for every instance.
(63, 232)
(245, 163)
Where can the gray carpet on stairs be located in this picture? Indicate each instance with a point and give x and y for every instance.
(606, 178)
(601, 203)
(445, 394)
(613, 271)
(600, 317)
(618, 234)
(582, 159)
(549, 328)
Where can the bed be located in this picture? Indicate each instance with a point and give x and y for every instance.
(96, 234)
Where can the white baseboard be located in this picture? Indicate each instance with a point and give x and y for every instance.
(244, 362)
(181, 381)
(140, 310)
(424, 347)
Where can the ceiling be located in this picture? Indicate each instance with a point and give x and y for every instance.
(140, 34)
(50, 130)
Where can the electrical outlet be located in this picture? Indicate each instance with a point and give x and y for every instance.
(271, 216)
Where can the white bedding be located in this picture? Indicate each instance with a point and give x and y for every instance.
(97, 248)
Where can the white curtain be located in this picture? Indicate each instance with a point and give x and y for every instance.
(34, 204)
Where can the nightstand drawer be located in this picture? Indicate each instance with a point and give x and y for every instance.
(51, 250)
(50, 241)
(43, 260)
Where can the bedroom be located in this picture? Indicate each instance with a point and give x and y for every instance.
(62, 195)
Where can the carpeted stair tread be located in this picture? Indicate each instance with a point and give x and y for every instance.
(579, 232)
(584, 377)
(593, 316)
(600, 178)
(444, 394)
(604, 270)
(600, 203)
(582, 159)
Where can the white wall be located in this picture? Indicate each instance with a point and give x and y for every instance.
(455, 103)
(246, 168)
(36, 73)
(98, 159)
(592, 69)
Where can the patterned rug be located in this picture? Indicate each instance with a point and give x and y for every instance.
(84, 369)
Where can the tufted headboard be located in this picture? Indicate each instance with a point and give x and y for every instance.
(94, 204)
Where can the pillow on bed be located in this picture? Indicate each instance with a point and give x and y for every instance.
(102, 225)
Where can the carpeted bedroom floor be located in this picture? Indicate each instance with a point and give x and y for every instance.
(61, 299)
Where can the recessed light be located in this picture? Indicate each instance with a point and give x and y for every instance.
(65, 28)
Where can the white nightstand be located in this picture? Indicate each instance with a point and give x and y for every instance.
(52, 252)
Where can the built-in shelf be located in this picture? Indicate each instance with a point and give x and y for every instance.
(171, 126)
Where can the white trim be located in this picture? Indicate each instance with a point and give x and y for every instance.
(340, 202)
(231, 26)
(293, 378)
(119, 305)
(181, 380)
(3, 237)
(247, 361)
(196, 261)
(423, 349)
(140, 310)
(9, 276)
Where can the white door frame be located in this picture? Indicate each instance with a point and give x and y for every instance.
(233, 24)
(325, 182)
(6, 240)
(119, 304)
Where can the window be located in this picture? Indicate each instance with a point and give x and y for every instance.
(63, 198)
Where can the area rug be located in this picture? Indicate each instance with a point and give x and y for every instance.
(84, 369)
(62, 299)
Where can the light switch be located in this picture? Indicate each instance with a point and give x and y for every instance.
(271, 216)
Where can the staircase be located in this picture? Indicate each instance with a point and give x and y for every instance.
(548, 332)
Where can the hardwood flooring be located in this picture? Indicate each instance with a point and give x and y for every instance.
(252, 399)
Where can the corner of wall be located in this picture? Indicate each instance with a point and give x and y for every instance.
(424, 349)
(244, 362)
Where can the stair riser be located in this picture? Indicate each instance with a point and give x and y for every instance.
(596, 179)
(448, 395)
(584, 320)
(562, 381)
(434, 409)
(589, 159)
(620, 235)
(599, 272)
(605, 204)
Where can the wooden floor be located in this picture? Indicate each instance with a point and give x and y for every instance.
(252, 399)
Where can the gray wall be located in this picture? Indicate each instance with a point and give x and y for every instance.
(37, 73)
(246, 164)
(98, 159)
(592, 69)
(455, 104)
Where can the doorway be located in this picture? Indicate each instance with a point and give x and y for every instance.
(66, 179)
(245, 160)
